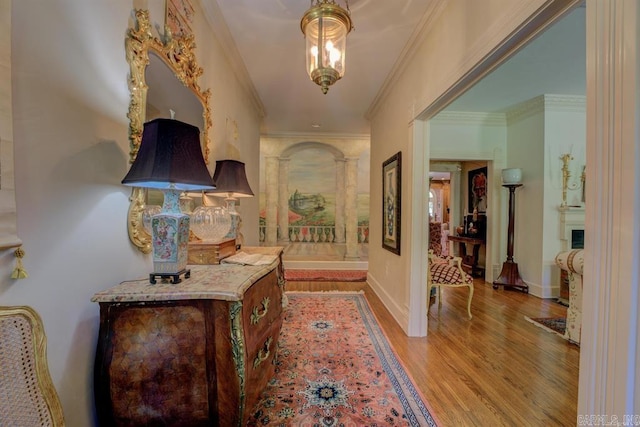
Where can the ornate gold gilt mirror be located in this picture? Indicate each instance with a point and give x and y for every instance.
(162, 81)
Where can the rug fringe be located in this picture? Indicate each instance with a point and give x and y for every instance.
(541, 326)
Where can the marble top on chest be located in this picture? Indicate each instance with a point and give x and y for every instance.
(226, 282)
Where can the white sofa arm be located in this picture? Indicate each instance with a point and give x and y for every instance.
(572, 261)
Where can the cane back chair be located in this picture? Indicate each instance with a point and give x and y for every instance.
(27, 395)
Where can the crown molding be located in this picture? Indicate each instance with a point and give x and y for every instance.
(539, 104)
(470, 118)
(219, 26)
(316, 136)
(408, 51)
(576, 103)
(547, 102)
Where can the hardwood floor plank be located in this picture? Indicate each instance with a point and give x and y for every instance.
(494, 369)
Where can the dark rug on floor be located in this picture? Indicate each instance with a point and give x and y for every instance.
(553, 324)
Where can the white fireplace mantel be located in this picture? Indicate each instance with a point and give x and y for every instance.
(571, 218)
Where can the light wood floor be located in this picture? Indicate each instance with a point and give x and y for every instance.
(495, 369)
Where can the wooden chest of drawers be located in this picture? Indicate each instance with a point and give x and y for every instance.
(191, 354)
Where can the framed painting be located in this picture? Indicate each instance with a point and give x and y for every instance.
(391, 198)
(478, 190)
(179, 17)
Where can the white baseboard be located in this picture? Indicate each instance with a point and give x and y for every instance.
(540, 291)
(401, 315)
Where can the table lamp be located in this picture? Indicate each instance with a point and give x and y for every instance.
(230, 180)
(170, 159)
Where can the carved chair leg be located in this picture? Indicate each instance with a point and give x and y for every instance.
(469, 301)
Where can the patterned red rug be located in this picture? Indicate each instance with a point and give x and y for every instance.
(294, 275)
(335, 367)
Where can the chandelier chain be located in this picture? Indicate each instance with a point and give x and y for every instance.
(318, 2)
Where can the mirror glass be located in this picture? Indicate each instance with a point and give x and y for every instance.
(168, 98)
(165, 93)
(163, 78)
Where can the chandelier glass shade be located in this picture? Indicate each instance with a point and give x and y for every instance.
(210, 223)
(325, 26)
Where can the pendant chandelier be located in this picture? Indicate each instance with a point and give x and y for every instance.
(325, 26)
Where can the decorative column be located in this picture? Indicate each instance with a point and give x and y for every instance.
(283, 200)
(509, 276)
(271, 201)
(340, 198)
(351, 209)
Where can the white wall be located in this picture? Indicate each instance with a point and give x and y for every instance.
(526, 150)
(70, 102)
(539, 131)
(565, 132)
(432, 67)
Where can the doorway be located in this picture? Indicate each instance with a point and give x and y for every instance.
(458, 218)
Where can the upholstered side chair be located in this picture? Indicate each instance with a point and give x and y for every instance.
(447, 272)
(27, 395)
(435, 238)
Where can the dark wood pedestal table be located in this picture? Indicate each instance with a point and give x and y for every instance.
(510, 276)
(469, 261)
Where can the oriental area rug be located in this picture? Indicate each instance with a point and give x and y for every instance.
(335, 367)
(294, 275)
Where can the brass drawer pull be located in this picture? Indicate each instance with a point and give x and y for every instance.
(256, 315)
(263, 353)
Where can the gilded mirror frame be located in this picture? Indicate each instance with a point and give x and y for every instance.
(178, 54)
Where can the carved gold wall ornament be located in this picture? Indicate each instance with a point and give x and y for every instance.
(137, 234)
(178, 54)
(566, 175)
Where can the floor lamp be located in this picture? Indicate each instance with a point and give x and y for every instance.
(509, 276)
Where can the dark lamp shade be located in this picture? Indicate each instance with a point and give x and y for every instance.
(169, 157)
(230, 177)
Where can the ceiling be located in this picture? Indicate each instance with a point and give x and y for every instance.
(553, 63)
(268, 38)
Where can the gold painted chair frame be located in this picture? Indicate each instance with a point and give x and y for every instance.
(455, 264)
(27, 392)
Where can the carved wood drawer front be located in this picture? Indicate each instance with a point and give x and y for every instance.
(262, 306)
(260, 364)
